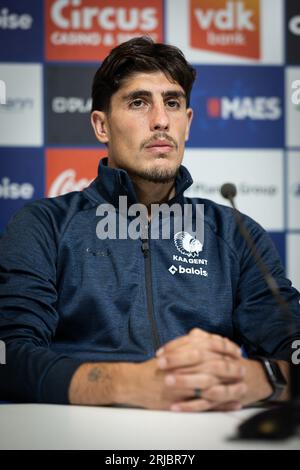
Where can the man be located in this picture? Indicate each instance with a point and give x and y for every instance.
(154, 323)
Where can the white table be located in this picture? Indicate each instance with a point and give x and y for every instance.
(33, 426)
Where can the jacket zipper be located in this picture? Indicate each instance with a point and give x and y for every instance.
(149, 293)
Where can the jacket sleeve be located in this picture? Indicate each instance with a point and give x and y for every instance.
(28, 315)
(260, 324)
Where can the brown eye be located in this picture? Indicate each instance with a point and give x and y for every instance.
(173, 104)
(136, 104)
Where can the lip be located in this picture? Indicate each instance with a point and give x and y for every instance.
(160, 149)
(160, 146)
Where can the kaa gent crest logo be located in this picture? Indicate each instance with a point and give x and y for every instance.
(187, 245)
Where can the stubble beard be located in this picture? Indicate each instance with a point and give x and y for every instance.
(155, 175)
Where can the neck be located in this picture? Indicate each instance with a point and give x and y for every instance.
(153, 193)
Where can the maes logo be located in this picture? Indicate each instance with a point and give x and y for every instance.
(87, 29)
(229, 27)
(260, 108)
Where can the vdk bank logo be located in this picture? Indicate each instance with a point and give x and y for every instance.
(88, 29)
(226, 26)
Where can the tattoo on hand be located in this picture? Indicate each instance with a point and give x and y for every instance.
(94, 374)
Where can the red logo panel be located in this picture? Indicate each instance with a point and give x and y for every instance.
(86, 30)
(228, 27)
(71, 169)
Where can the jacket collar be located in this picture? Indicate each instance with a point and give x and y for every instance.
(113, 182)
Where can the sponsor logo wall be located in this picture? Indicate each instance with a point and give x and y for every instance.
(246, 99)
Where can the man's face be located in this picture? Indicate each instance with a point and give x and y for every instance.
(146, 127)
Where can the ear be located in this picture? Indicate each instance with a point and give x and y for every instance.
(189, 114)
(99, 123)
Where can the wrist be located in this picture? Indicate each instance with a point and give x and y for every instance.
(257, 384)
(125, 383)
(274, 377)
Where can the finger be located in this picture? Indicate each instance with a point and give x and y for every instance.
(197, 368)
(230, 406)
(187, 357)
(225, 393)
(193, 357)
(227, 346)
(196, 333)
(213, 343)
(225, 370)
(193, 405)
(224, 346)
(191, 382)
(174, 344)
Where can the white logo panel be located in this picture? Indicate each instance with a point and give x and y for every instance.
(21, 121)
(257, 174)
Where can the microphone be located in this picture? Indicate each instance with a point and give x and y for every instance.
(280, 422)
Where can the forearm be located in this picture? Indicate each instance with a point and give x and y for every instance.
(101, 383)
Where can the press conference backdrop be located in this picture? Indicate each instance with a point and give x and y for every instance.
(246, 99)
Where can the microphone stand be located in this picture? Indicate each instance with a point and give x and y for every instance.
(283, 421)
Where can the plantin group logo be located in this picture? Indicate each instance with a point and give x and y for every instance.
(226, 26)
(87, 30)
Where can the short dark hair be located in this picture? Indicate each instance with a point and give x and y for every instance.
(139, 54)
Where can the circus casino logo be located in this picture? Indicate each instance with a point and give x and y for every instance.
(228, 27)
(86, 30)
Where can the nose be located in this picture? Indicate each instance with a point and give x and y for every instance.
(159, 120)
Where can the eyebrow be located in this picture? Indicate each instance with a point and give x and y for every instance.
(146, 93)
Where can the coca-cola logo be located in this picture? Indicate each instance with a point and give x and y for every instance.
(66, 182)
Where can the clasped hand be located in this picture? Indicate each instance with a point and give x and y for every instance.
(204, 371)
